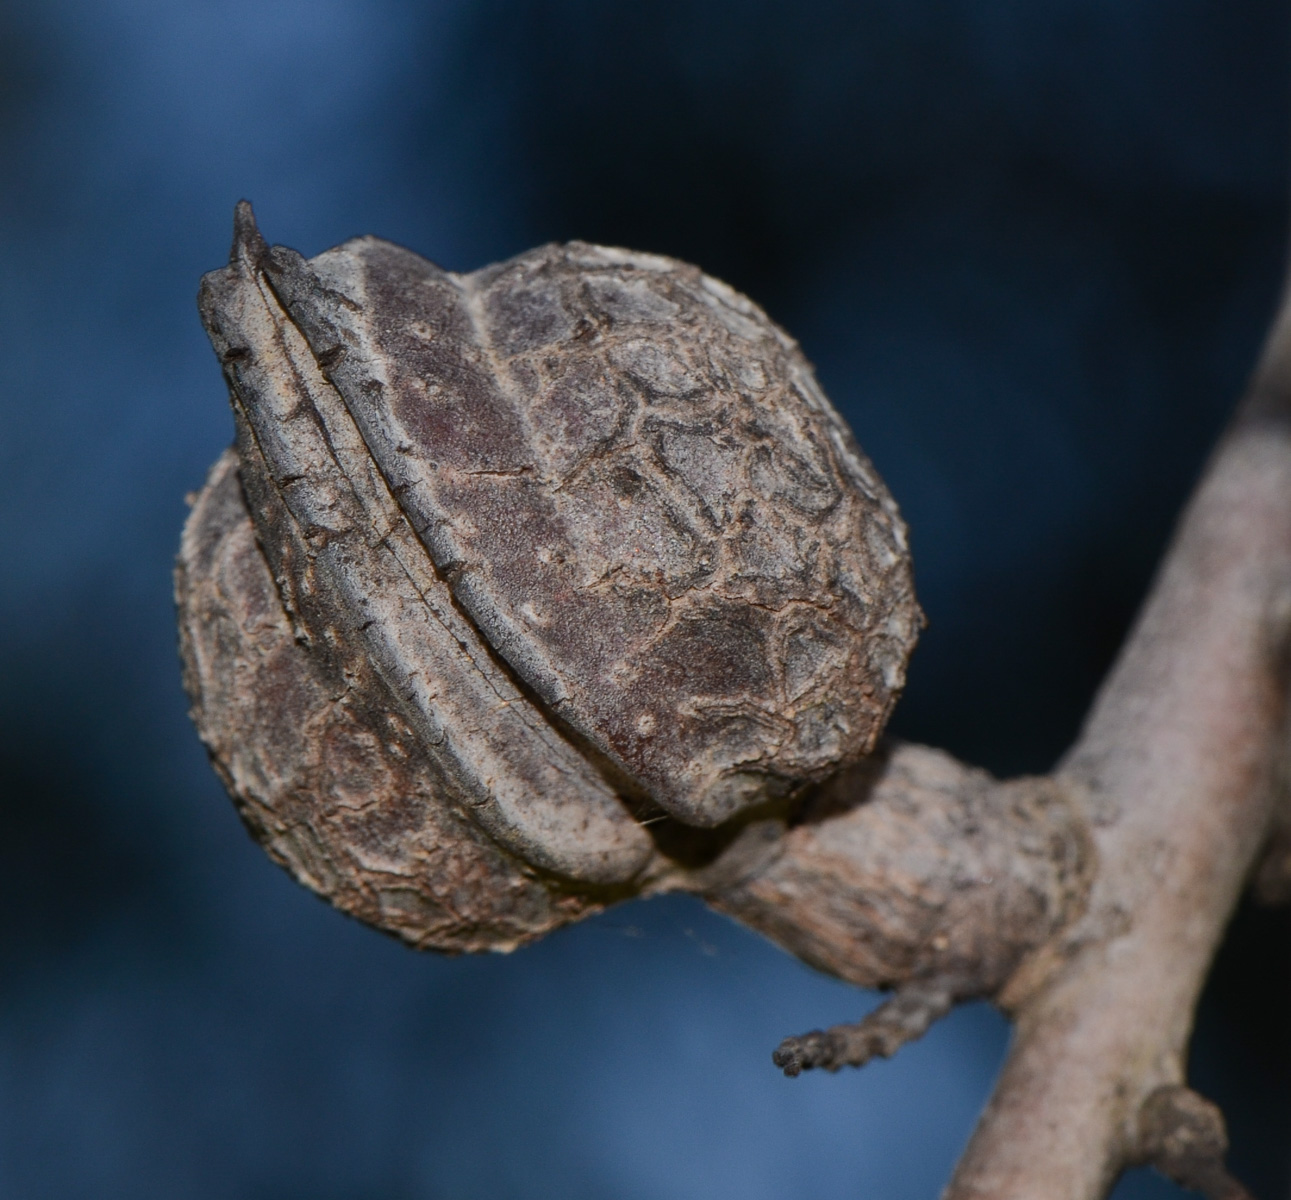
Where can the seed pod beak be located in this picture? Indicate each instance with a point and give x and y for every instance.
(249, 247)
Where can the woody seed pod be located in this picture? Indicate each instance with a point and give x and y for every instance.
(510, 566)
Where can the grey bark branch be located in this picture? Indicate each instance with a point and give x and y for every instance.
(1176, 768)
(1183, 1135)
(906, 1016)
(1088, 904)
(913, 868)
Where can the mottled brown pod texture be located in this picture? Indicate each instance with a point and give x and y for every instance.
(511, 567)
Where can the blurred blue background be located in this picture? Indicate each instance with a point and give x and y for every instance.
(1032, 246)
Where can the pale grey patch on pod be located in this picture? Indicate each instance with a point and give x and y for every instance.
(370, 604)
(340, 792)
(641, 498)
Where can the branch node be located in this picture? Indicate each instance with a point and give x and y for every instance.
(901, 1019)
(1183, 1136)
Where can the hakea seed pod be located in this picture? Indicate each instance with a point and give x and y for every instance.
(510, 573)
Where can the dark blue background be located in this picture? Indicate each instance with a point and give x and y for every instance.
(1032, 246)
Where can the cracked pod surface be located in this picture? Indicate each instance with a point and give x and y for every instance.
(582, 523)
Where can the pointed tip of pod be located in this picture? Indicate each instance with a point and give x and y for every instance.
(248, 245)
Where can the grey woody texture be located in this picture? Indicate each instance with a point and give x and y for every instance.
(584, 520)
(535, 589)
(337, 789)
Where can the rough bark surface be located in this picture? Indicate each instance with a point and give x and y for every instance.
(396, 599)
(1178, 769)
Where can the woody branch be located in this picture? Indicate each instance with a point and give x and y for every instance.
(1089, 903)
